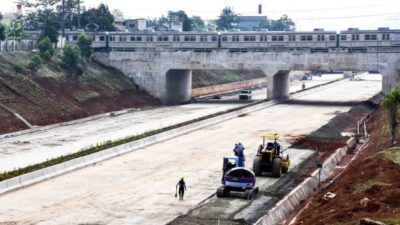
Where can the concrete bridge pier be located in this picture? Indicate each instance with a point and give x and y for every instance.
(178, 86)
(278, 85)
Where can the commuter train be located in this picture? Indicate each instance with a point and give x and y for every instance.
(352, 40)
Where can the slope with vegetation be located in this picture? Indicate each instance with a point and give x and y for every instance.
(52, 92)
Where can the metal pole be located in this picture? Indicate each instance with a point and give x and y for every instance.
(14, 37)
(63, 18)
(79, 14)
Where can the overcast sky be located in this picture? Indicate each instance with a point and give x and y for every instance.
(307, 14)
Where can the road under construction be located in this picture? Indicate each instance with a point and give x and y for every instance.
(139, 187)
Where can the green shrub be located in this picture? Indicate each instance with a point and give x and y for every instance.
(71, 57)
(18, 68)
(46, 55)
(35, 63)
(46, 49)
(84, 43)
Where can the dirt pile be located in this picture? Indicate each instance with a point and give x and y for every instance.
(330, 137)
(52, 95)
(368, 188)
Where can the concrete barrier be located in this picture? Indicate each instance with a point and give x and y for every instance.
(74, 164)
(302, 192)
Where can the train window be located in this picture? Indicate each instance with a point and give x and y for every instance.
(306, 38)
(374, 37)
(385, 37)
(249, 38)
(321, 37)
(190, 38)
(149, 38)
(122, 39)
(292, 37)
(74, 37)
(332, 37)
(203, 38)
(102, 38)
(163, 38)
(355, 37)
(133, 38)
(176, 38)
(367, 37)
(224, 38)
(235, 38)
(343, 37)
(214, 38)
(113, 38)
(277, 38)
(264, 38)
(138, 38)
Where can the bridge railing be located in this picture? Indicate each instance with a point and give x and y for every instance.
(266, 49)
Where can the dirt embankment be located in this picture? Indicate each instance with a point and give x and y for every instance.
(368, 188)
(52, 95)
(206, 78)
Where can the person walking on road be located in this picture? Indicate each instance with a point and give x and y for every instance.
(181, 186)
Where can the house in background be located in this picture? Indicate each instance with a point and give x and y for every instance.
(253, 23)
(135, 24)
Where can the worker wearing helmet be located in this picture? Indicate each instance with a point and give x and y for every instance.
(240, 155)
(182, 188)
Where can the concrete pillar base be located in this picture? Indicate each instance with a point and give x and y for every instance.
(178, 86)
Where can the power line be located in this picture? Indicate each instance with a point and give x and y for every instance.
(348, 17)
(326, 9)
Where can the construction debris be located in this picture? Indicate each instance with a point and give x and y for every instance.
(367, 221)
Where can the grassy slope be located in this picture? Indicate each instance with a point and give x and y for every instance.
(52, 94)
(204, 78)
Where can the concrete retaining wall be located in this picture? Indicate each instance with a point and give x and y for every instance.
(63, 168)
(196, 92)
(303, 191)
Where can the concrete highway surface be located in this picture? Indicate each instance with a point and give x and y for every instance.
(139, 187)
(28, 149)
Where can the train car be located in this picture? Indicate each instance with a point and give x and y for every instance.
(317, 40)
(355, 40)
(171, 41)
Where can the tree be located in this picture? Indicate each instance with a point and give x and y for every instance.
(282, 24)
(197, 23)
(162, 20)
(151, 22)
(227, 19)
(181, 16)
(70, 13)
(35, 63)
(71, 57)
(84, 43)
(1, 16)
(45, 48)
(391, 102)
(100, 16)
(118, 15)
(2, 32)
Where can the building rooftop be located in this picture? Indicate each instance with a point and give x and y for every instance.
(251, 22)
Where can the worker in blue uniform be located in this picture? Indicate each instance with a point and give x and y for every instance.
(239, 152)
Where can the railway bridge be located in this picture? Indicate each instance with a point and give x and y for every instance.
(168, 75)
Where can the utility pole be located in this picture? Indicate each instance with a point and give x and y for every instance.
(63, 19)
(79, 14)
